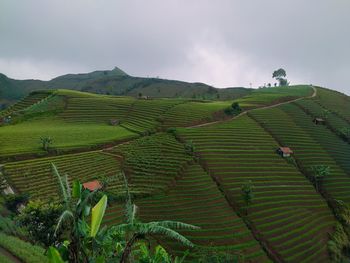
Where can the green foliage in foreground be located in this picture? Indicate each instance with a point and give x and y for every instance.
(23, 250)
(88, 242)
(39, 220)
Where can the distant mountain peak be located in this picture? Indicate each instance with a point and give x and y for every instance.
(118, 71)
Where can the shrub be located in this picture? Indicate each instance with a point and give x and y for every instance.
(45, 143)
(13, 201)
(39, 219)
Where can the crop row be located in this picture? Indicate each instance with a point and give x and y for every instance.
(332, 120)
(312, 145)
(25, 103)
(36, 178)
(195, 199)
(286, 210)
(152, 163)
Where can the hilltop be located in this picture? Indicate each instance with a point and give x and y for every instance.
(115, 82)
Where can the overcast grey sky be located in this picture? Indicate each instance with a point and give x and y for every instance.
(222, 42)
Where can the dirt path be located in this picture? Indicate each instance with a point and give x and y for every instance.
(314, 94)
(8, 255)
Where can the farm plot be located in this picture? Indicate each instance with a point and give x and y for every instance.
(315, 110)
(36, 178)
(334, 101)
(286, 209)
(191, 113)
(24, 137)
(152, 163)
(146, 115)
(269, 96)
(312, 145)
(96, 109)
(31, 99)
(195, 199)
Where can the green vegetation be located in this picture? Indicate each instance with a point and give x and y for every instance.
(24, 138)
(240, 150)
(225, 177)
(23, 250)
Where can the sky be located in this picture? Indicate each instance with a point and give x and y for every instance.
(224, 43)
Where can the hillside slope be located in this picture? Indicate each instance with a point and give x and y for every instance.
(115, 82)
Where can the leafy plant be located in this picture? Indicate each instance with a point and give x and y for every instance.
(318, 172)
(247, 194)
(134, 230)
(88, 242)
(39, 219)
(14, 201)
(45, 143)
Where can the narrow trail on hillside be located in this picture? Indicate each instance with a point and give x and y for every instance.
(314, 94)
(7, 254)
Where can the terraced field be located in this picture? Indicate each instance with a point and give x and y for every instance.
(314, 109)
(35, 97)
(335, 102)
(24, 137)
(312, 144)
(269, 96)
(286, 210)
(145, 115)
(152, 163)
(195, 199)
(96, 109)
(35, 176)
(191, 113)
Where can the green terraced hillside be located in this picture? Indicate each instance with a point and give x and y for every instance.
(286, 210)
(186, 160)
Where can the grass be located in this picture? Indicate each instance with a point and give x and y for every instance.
(25, 251)
(268, 96)
(24, 137)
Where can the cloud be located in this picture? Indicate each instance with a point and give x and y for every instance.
(223, 43)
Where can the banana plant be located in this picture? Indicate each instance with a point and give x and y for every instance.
(77, 208)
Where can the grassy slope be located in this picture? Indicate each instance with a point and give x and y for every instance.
(286, 210)
(116, 82)
(25, 137)
(195, 199)
(25, 251)
(35, 176)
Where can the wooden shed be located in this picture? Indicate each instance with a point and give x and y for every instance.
(284, 151)
(318, 121)
(92, 186)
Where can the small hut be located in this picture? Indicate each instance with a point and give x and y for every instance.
(284, 151)
(319, 121)
(114, 122)
(92, 186)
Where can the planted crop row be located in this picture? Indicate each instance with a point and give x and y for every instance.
(36, 178)
(96, 109)
(332, 120)
(191, 113)
(25, 103)
(152, 162)
(146, 114)
(286, 210)
(25, 251)
(334, 101)
(268, 96)
(312, 145)
(195, 199)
